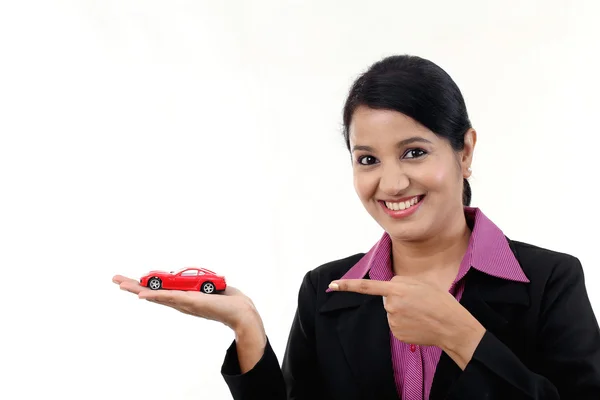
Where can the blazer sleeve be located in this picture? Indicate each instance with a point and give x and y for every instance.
(299, 377)
(568, 350)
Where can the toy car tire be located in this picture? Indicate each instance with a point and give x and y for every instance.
(154, 283)
(207, 287)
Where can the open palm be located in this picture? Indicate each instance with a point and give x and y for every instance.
(231, 308)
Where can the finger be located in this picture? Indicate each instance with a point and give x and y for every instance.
(410, 281)
(162, 302)
(118, 279)
(364, 286)
(179, 301)
(168, 297)
(131, 286)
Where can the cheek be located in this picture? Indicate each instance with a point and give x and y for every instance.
(365, 185)
(437, 178)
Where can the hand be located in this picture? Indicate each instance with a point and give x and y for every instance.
(419, 313)
(231, 308)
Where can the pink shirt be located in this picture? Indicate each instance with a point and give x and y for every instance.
(488, 252)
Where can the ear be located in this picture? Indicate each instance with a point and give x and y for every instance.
(467, 153)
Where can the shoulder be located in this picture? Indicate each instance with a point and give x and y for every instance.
(540, 263)
(532, 256)
(320, 277)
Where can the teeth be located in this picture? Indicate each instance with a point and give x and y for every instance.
(403, 205)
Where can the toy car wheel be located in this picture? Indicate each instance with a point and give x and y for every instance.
(154, 284)
(207, 287)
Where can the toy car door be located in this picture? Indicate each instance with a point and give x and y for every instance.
(188, 279)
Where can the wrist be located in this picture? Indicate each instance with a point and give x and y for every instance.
(250, 329)
(250, 341)
(461, 343)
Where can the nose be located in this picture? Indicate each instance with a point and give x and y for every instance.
(393, 180)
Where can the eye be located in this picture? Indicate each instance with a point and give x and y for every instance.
(415, 153)
(366, 160)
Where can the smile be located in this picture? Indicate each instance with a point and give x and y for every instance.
(403, 208)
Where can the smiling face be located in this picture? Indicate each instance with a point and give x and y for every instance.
(409, 179)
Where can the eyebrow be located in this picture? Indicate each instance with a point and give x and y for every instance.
(402, 143)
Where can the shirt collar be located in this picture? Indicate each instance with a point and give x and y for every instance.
(489, 252)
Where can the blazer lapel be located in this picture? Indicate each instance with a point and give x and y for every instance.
(493, 302)
(364, 334)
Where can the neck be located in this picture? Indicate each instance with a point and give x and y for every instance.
(442, 251)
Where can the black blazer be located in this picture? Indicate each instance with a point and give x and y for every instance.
(542, 340)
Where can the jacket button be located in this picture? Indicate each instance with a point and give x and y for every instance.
(413, 348)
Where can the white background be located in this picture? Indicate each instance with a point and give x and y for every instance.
(141, 135)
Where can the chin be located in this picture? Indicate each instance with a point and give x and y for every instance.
(405, 234)
(409, 229)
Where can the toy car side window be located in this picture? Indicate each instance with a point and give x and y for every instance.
(189, 273)
(200, 273)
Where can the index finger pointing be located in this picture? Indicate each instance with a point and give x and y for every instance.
(364, 286)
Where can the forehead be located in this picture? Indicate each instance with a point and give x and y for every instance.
(373, 125)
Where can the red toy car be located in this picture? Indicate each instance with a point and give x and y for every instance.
(198, 279)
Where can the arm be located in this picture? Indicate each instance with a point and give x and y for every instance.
(251, 369)
(262, 381)
(250, 343)
(568, 350)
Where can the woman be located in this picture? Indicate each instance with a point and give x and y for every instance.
(444, 306)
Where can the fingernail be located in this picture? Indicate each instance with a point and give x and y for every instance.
(334, 286)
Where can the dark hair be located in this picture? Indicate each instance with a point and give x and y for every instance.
(419, 89)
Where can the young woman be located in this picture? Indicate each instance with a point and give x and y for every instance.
(444, 306)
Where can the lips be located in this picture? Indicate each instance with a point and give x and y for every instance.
(403, 207)
(402, 204)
